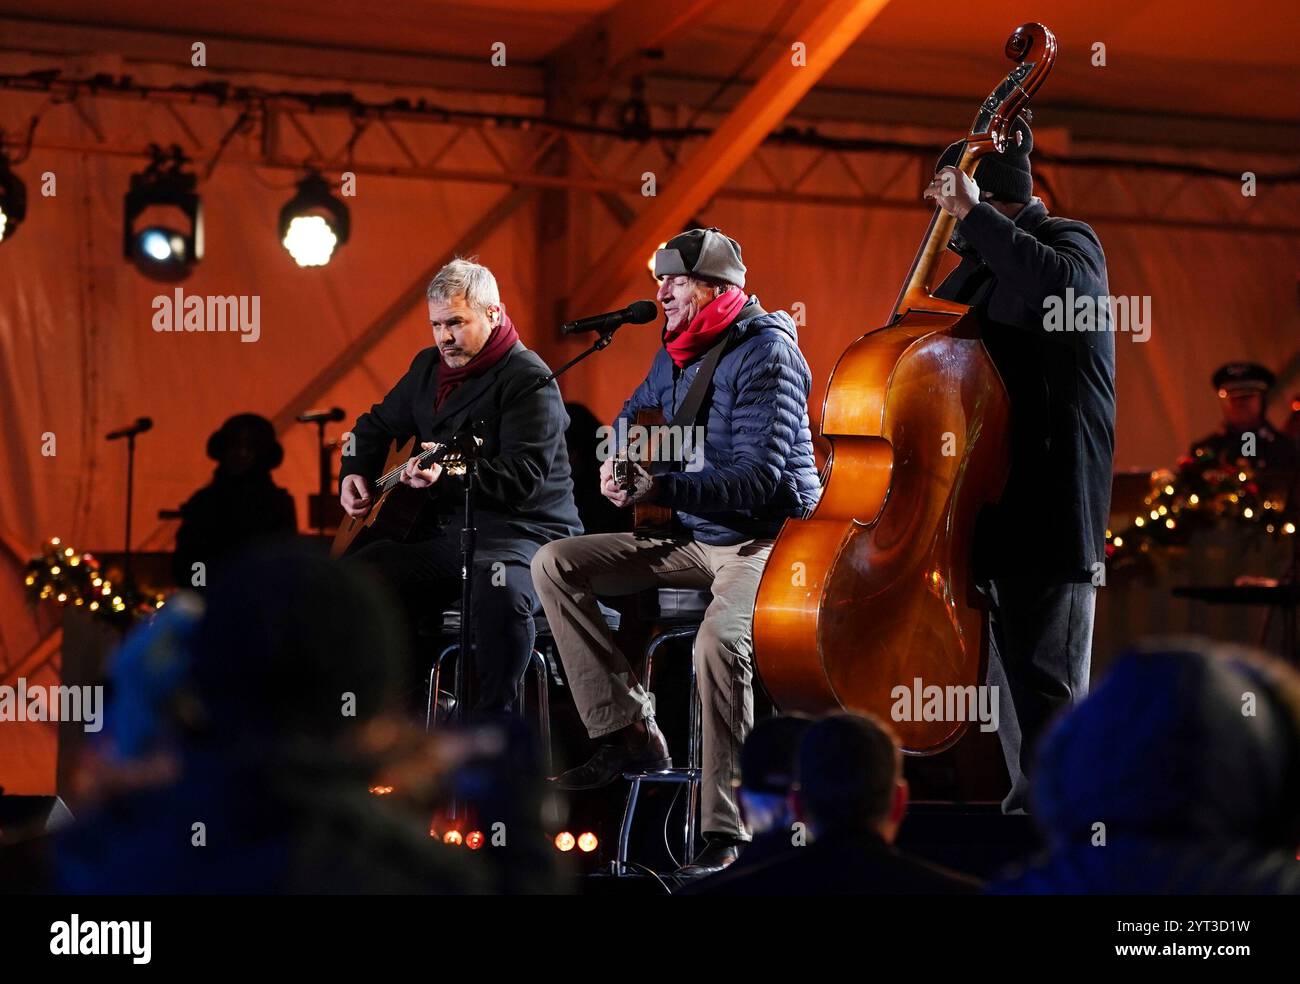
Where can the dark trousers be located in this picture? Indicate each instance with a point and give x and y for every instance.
(1040, 654)
(425, 576)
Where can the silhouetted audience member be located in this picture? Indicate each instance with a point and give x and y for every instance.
(240, 506)
(1179, 774)
(769, 762)
(246, 764)
(851, 798)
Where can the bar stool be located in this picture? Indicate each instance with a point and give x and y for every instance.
(537, 665)
(681, 610)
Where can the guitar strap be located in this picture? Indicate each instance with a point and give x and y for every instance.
(690, 406)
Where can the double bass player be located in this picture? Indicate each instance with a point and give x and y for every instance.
(1039, 552)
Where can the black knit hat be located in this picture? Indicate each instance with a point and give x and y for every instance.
(1006, 176)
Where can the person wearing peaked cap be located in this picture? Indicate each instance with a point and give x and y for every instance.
(730, 377)
(1249, 377)
(1245, 437)
(1042, 588)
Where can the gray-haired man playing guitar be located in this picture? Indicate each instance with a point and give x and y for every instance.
(478, 369)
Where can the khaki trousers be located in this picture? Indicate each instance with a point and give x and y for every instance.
(570, 573)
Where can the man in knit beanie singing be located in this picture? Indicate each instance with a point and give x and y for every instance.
(734, 372)
(1040, 552)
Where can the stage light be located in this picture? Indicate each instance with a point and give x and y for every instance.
(564, 841)
(587, 842)
(452, 837)
(158, 249)
(474, 840)
(650, 262)
(313, 222)
(13, 200)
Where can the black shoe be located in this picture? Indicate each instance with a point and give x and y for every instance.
(718, 853)
(647, 752)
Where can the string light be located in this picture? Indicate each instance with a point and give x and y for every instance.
(1201, 493)
(62, 575)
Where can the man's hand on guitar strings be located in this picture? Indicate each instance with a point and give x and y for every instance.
(609, 487)
(421, 478)
(355, 496)
(642, 487)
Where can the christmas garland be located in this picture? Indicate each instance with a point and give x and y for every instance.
(1202, 493)
(68, 578)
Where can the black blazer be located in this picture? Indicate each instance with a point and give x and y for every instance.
(525, 491)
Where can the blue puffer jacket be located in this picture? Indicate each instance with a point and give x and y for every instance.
(758, 465)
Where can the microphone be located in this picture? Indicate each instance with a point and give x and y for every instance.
(324, 416)
(636, 313)
(141, 425)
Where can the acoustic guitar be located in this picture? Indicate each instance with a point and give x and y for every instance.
(648, 520)
(398, 507)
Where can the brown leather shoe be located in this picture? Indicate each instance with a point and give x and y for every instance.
(630, 751)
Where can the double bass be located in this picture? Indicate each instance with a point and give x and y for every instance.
(874, 590)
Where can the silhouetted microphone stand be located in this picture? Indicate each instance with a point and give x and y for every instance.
(466, 443)
(141, 425)
(323, 457)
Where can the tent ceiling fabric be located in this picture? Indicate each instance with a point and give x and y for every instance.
(1197, 57)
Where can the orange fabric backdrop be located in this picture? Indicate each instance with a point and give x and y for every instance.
(78, 355)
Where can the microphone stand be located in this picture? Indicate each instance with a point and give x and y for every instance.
(468, 447)
(128, 574)
(323, 466)
(141, 425)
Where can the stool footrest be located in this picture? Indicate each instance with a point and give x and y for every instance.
(667, 775)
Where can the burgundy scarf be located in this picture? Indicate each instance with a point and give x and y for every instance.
(706, 327)
(500, 342)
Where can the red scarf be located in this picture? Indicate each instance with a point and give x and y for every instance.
(500, 342)
(705, 328)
